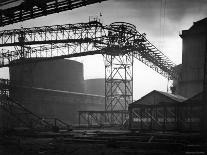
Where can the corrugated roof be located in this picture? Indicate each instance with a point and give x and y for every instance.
(177, 98)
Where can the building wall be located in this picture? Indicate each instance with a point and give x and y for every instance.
(60, 104)
(193, 52)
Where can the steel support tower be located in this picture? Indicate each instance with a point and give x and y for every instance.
(118, 83)
(119, 70)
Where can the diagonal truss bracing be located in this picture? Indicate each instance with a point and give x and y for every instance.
(63, 40)
(166, 117)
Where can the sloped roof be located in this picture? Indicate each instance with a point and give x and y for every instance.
(196, 98)
(177, 98)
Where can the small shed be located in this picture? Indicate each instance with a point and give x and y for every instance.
(155, 111)
(157, 97)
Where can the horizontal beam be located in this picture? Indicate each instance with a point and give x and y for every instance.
(22, 61)
(80, 41)
(30, 9)
(104, 112)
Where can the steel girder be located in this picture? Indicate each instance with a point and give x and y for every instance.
(58, 41)
(30, 9)
(102, 118)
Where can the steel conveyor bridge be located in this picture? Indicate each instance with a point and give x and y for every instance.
(83, 39)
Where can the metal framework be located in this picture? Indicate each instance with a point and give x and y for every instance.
(103, 118)
(30, 9)
(62, 41)
(119, 70)
(119, 42)
(166, 117)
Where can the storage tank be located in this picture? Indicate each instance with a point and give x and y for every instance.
(95, 86)
(53, 89)
(63, 74)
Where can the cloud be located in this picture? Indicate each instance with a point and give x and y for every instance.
(174, 9)
(165, 15)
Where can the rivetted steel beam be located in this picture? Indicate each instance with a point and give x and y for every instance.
(30, 9)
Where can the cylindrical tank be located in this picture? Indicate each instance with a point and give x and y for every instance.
(95, 86)
(63, 74)
(52, 89)
(41, 87)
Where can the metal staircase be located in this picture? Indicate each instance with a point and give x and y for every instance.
(23, 116)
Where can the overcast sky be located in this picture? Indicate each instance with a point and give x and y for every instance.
(161, 20)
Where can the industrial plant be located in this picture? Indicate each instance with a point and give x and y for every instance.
(47, 107)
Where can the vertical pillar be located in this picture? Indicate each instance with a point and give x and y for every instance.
(119, 69)
(203, 120)
(118, 83)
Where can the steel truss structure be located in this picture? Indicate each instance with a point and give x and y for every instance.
(30, 9)
(81, 39)
(103, 118)
(119, 42)
(166, 117)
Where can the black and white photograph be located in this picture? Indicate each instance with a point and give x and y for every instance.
(103, 77)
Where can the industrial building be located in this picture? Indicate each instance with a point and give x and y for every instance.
(193, 57)
(150, 112)
(181, 110)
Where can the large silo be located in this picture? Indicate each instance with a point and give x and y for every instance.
(62, 75)
(53, 89)
(95, 86)
(66, 75)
